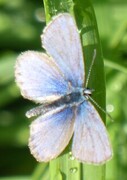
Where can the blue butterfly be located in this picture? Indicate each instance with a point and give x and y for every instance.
(55, 80)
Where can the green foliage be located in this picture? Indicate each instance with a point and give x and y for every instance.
(20, 29)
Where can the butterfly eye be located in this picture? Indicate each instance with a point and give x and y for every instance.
(87, 92)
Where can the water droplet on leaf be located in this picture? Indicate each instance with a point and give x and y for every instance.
(73, 170)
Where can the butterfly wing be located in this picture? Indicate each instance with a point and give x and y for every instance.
(39, 78)
(90, 142)
(61, 41)
(50, 134)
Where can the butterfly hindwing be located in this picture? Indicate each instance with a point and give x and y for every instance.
(90, 143)
(51, 133)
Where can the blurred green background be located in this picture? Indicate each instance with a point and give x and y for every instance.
(21, 23)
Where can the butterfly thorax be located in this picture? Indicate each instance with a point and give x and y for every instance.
(72, 99)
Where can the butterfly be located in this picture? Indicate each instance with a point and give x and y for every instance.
(55, 80)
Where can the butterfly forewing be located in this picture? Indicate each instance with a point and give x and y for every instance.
(38, 77)
(61, 41)
(90, 143)
(50, 134)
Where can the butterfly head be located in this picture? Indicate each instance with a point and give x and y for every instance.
(87, 92)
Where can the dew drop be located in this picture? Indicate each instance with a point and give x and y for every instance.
(110, 108)
(71, 157)
(73, 170)
(40, 15)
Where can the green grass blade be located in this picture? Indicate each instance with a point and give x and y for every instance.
(64, 167)
(90, 39)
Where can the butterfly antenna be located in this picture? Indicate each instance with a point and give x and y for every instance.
(89, 72)
(94, 102)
